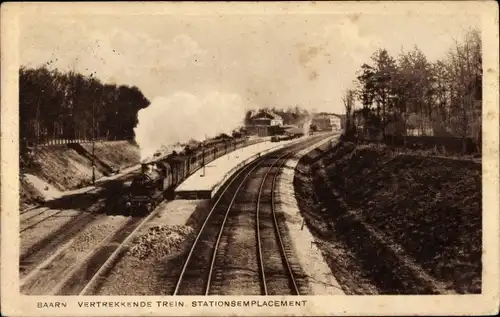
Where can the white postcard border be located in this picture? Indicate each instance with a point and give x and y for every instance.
(487, 303)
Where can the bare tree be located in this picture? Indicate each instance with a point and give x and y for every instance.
(439, 98)
(348, 101)
(464, 68)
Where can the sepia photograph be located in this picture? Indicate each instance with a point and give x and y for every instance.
(249, 158)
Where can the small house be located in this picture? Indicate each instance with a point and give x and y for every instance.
(327, 121)
(260, 122)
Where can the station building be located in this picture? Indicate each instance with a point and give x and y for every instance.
(327, 122)
(263, 122)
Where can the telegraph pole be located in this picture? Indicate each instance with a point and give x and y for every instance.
(93, 143)
(94, 124)
(203, 156)
(37, 130)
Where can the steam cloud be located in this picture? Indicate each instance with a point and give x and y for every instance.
(181, 117)
(307, 125)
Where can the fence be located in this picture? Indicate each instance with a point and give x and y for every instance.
(448, 144)
(50, 142)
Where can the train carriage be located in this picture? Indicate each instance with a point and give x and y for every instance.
(156, 178)
(194, 163)
(179, 167)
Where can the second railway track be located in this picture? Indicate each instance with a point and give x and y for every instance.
(241, 248)
(280, 275)
(87, 277)
(42, 261)
(272, 270)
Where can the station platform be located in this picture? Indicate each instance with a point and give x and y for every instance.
(206, 182)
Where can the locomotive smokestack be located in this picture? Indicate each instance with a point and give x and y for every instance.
(144, 168)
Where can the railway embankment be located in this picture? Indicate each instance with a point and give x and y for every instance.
(56, 169)
(390, 221)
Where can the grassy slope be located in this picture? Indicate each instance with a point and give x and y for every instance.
(119, 154)
(430, 206)
(28, 194)
(65, 169)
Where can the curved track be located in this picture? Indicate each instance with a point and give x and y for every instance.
(196, 273)
(88, 277)
(274, 254)
(52, 247)
(240, 248)
(263, 248)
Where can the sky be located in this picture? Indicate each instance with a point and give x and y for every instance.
(277, 60)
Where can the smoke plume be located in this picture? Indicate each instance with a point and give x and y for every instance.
(307, 125)
(168, 122)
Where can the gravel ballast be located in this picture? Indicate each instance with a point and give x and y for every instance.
(149, 264)
(51, 278)
(160, 241)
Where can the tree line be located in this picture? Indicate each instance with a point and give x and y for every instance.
(54, 105)
(410, 95)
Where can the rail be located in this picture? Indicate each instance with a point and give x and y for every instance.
(248, 169)
(257, 224)
(214, 254)
(114, 256)
(278, 233)
(200, 232)
(252, 158)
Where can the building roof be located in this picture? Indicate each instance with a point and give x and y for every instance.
(325, 114)
(268, 113)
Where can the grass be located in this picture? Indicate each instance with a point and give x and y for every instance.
(431, 206)
(66, 169)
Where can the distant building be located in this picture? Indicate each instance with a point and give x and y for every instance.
(261, 121)
(266, 118)
(366, 124)
(327, 121)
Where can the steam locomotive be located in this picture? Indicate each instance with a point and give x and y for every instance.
(157, 179)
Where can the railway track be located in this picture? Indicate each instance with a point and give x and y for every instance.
(220, 255)
(278, 272)
(30, 222)
(36, 214)
(85, 276)
(73, 271)
(88, 275)
(194, 277)
(34, 257)
(27, 224)
(38, 256)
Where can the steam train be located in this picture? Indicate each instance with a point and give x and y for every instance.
(157, 179)
(286, 137)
